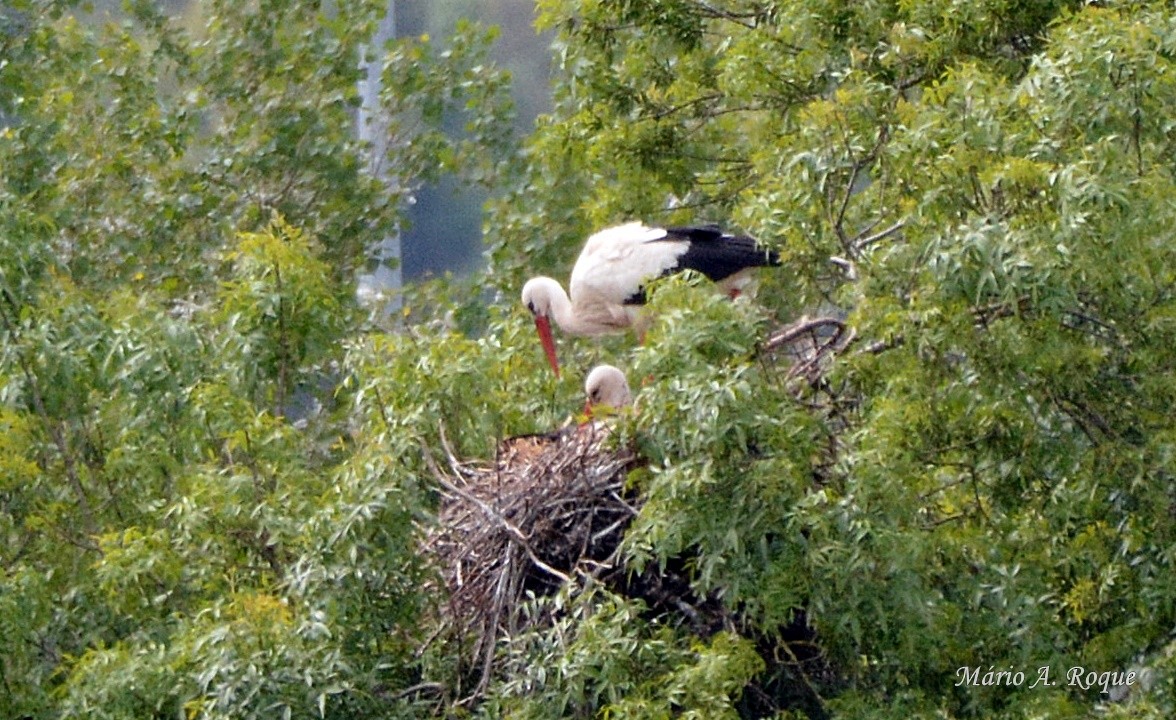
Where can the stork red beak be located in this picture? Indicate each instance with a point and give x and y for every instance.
(543, 325)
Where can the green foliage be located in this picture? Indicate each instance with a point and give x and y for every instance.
(135, 149)
(215, 478)
(193, 524)
(282, 309)
(985, 477)
(425, 85)
(205, 553)
(602, 658)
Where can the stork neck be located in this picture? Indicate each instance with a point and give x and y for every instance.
(561, 310)
(583, 319)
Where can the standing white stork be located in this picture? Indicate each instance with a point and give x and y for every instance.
(606, 386)
(608, 280)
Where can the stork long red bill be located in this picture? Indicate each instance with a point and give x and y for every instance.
(543, 326)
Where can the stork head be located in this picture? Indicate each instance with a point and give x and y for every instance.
(539, 295)
(606, 386)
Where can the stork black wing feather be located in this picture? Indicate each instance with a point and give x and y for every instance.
(712, 253)
(717, 254)
(695, 233)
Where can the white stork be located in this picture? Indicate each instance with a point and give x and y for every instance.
(608, 280)
(606, 386)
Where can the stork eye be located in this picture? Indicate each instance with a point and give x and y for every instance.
(595, 395)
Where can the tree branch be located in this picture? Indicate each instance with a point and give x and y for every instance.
(799, 328)
(283, 346)
(864, 242)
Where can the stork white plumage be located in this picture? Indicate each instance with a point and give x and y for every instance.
(608, 280)
(606, 386)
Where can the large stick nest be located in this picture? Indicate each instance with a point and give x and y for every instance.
(553, 508)
(550, 507)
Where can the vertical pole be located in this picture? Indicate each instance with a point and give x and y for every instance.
(386, 280)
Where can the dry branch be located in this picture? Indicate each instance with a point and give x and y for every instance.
(809, 342)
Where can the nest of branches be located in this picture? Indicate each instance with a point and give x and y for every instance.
(547, 509)
(551, 509)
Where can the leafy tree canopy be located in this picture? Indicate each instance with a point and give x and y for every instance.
(214, 471)
(982, 477)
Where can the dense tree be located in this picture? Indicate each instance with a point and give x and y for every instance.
(982, 478)
(195, 520)
(216, 475)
